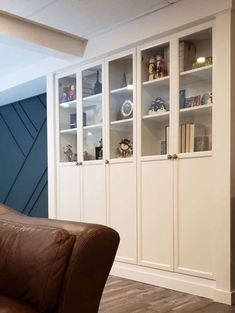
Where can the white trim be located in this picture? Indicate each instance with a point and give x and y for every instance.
(175, 281)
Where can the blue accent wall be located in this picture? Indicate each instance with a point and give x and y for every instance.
(23, 156)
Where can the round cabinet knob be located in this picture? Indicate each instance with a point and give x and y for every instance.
(80, 163)
(106, 161)
(175, 156)
(77, 163)
(169, 156)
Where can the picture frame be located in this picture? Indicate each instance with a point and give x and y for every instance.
(192, 101)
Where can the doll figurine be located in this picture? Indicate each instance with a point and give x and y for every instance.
(152, 68)
(160, 67)
(125, 148)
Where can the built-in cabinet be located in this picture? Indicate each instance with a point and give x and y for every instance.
(134, 150)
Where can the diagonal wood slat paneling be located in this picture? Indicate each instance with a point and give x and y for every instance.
(23, 158)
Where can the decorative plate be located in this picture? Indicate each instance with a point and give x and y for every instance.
(127, 109)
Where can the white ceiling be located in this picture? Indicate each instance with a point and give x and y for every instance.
(84, 18)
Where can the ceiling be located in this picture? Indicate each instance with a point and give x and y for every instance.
(83, 18)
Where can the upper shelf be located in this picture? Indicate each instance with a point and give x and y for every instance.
(198, 74)
(92, 100)
(197, 110)
(125, 91)
(158, 117)
(69, 104)
(157, 83)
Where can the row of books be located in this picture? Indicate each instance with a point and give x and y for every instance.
(193, 138)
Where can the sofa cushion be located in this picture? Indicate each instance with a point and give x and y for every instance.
(33, 261)
(9, 305)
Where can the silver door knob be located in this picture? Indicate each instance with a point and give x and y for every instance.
(106, 161)
(175, 156)
(169, 156)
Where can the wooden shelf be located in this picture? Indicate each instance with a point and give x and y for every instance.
(163, 81)
(128, 121)
(158, 117)
(197, 110)
(72, 131)
(92, 126)
(198, 74)
(92, 100)
(69, 104)
(126, 91)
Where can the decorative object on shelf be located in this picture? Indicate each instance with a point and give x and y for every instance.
(124, 81)
(126, 110)
(71, 92)
(98, 85)
(192, 101)
(187, 55)
(73, 120)
(98, 114)
(84, 118)
(99, 151)
(182, 98)
(160, 67)
(206, 98)
(125, 148)
(65, 95)
(158, 105)
(152, 68)
(87, 156)
(202, 61)
(201, 143)
(69, 153)
(163, 147)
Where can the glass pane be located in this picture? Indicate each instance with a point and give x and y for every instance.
(68, 118)
(155, 106)
(121, 107)
(92, 113)
(195, 95)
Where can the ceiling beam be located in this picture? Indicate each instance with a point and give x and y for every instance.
(40, 35)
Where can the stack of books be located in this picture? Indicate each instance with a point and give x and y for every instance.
(187, 134)
(193, 138)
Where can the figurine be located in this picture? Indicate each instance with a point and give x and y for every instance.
(152, 68)
(65, 94)
(158, 105)
(123, 82)
(125, 148)
(160, 67)
(98, 85)
(69, 153)
(99, 151)
(71, 92)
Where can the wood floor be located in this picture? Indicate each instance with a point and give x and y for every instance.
(127, 296)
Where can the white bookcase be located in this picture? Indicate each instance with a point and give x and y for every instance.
(143, 127)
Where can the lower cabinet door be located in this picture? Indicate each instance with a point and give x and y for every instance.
(156, 214)
(69, 193)
(195, 216)
(122, 208)
(94, 193)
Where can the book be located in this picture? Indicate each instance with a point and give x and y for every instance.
(191, 140)
(187, 137)
(182, 99)
(183, 138)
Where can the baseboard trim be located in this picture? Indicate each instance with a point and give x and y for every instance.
(193, 285)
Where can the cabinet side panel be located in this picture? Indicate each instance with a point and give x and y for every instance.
(156, 246)
(123, 208)
(196, 217)
(69, 193)
(94, 206)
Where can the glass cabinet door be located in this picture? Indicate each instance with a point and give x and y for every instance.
(121, 107)
(195, 94)
(68, 118)
(92, 113)
(155, 106)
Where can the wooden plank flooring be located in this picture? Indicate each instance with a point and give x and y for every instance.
(127, 296)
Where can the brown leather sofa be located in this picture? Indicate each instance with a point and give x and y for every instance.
(50, 266)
